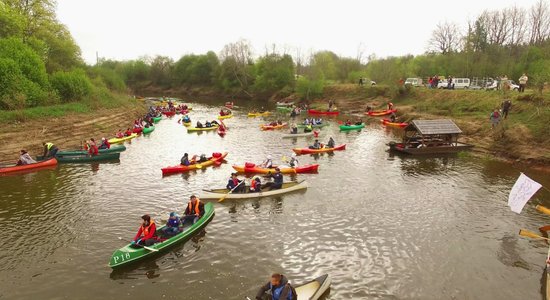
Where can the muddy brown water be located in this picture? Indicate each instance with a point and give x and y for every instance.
(383, 226)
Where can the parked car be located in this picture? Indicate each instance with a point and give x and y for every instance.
(416, 82)
(494, 85)
(459, 83)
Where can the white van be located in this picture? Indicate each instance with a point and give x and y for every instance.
(459, 83)
(414, 82)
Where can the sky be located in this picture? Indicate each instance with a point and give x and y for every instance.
(129, 29)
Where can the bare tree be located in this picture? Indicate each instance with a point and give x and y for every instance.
(539, 22)
(361, 49)
(518, 25)
(237, 57)
(446, 38)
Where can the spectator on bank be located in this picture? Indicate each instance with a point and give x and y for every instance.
(523, 82)
(495, 118)
(506, 106)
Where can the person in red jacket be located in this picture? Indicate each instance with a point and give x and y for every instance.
(146, 235)
(93, 147)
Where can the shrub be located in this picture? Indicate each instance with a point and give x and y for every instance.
(71, 86)
(306, 88)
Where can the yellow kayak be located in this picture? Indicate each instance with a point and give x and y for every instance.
(186, 124)
(193, 129)
(264, 114)
(225, 117)
(122, 140)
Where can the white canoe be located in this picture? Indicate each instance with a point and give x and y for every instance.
(294, 135)
(314, 289)
(287, 188)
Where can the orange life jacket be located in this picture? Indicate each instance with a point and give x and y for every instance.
(145, 230)
(253, 184)
(196, 208)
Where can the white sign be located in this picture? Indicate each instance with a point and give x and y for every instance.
(521, 192)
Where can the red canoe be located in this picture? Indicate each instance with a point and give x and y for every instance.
(216, 158)
(169, 113)
(251, 168)
(380, 113)
(313, 151)
(387, 122)
(137, 130)
(318, 112)
(41, 164)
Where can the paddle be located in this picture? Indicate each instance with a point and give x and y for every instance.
(231, 191)
(285, 159)
(144, 247)
(530, 234)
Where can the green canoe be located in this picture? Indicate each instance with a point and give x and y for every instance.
(351, 127)
(314, 126)
(149, 129)
(84, 158)
(113, 149)
(127, 255)
(157, 119)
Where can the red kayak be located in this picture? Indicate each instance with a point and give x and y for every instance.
(388, 122)
(318, 112)
(216, 158)
(314, 151)
(252, 168)
(41, 164)
(137, 130)
(380, 112)
(169, 113)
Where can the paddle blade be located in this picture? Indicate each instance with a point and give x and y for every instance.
(150, 249)
(530, 234)
(223, 197)
(543, 209)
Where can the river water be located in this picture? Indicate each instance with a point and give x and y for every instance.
(383, 226)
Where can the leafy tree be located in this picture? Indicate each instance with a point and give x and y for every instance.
(72, 85)
(274, 72)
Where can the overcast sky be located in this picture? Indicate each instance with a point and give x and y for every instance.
(128, 29)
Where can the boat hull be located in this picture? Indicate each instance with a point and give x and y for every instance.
(195, 129)
(387, 122)
(113, 149)
(180, 168)
(23, 168)
(398, 147)
(351, 127)
(288, 187)
(122, 140)
(322, 150)
(258, 170)
(380, 112)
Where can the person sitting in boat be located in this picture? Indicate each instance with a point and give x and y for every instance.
(104, 144)
(319, 121)
(390, 105)
(50, 150)
(203, 158)
(262, 110)
(199, 124)
(313, 121)
(137, 124)
(277, 179)
(393, 117)
(193, 211)
(222, 112)
(128, 132)
(293, 162)
(235, 184)
(278, 288)
(330, 143)
(348, 122)
(25, 158)
(267, 163)
(308, 128)
(316, 145)
(207, 124)
(85, 146)
(279, 122)
(172, 225)
(186, 119)
(184, 107)
(293, 128)
(255, 184)
(119, 134)
(146, 235)
(185, 160)
(214, 123)
(359, 122)
(93, 147)
(293, 113)
(369, 108)
(306, 121)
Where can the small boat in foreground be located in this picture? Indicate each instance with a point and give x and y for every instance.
(216, 158)
(385, 112)
(251, 168)
(40, 164)
(313, 151)
(313, 290)
(287, 188)
(127, 254)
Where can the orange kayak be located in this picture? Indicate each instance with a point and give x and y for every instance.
(380, 113)
(272, 127)
(387, 122)
(250, 168)
(216, 158)
(45, 163)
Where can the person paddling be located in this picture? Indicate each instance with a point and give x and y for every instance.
(119, 134)
(199, 124)
(279, 288)
(193, 211)
(104, 144)
(308, 128)
(185, 160)
(50, 150)
(267, 163)
(293, 162)
(293, 128)
(25, 158)
(330, 143)
(146, 235)
(234, 184)
(316, 145)
(277, 179)
(93, 150)
(255, 184)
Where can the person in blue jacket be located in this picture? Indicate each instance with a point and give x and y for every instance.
(279, 288)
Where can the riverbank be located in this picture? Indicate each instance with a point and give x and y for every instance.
(65, 125)
(524, 137)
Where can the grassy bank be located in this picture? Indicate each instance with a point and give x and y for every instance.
(525, 135)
